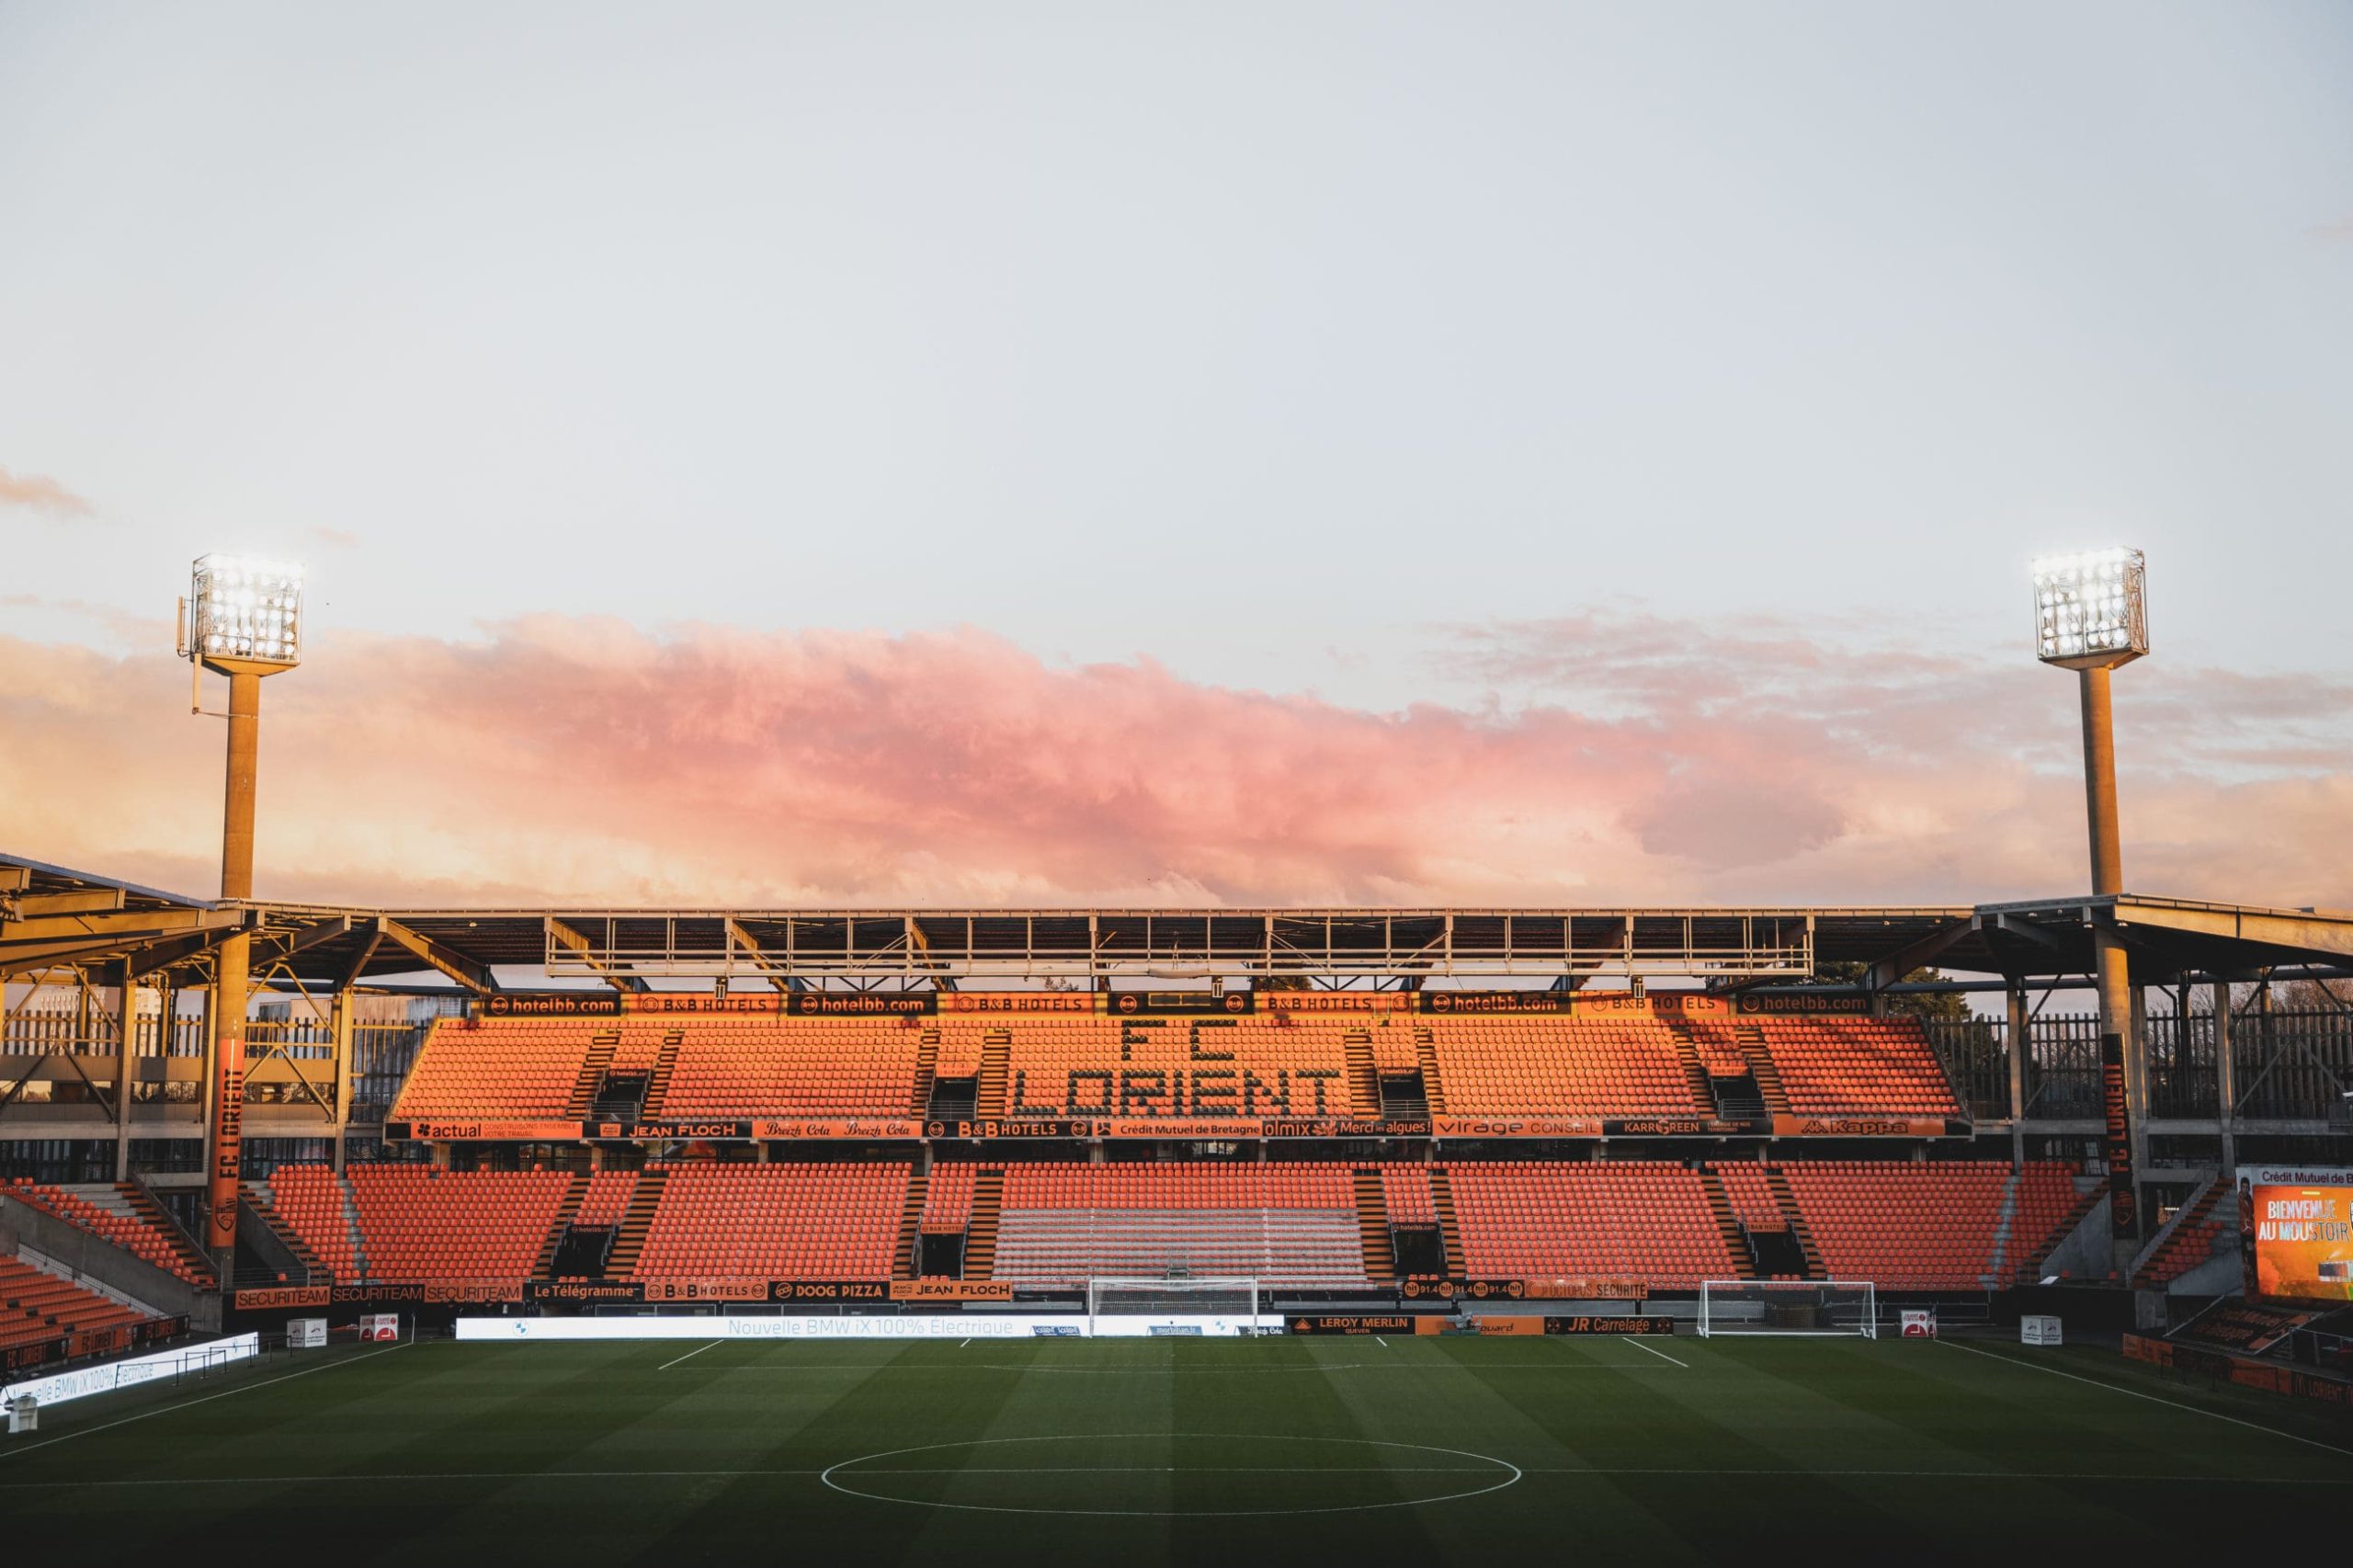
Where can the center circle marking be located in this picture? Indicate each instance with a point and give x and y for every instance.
(839, 1475)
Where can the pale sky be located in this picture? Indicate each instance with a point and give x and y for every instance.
(1313, 351)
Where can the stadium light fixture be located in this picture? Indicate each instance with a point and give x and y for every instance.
(2091, 614)
(246, 622)
(2091, 609)
(249, 611)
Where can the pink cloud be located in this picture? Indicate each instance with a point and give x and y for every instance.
(40, 492)
(567, 760)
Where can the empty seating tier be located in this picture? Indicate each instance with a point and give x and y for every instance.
(1918, 1227)
(780, 1221)
(36, 1307)
(1601, 1067)
(1858, 1067)
(418, 1223)
(1281, 1224)
(1083, 1067)
(111, 1213)
(1641, 1220)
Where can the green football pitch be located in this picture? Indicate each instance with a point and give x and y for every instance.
(1133, 1452)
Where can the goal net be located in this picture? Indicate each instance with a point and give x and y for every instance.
(1789, 1306)
(1122, 1305)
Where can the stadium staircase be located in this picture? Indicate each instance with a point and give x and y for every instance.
(148, 1208)
(1449, 1229)
(906, 1258)
(1800, 1232)
(1433, 1090)
(980, 1231)
(2184, 1242)
(621, 1097)
(657, 1081)
(1763, 1073)
(258, 1271)
(544, 1265)
(1365, 1101)
(988, 1090)
(592, 1074)
(927, 1065)
(1373, 1222)
(1687, 1051)
(1738, 1240)
(351, 1225)
(637, 1221)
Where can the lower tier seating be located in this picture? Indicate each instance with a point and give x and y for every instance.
(1643, 1220)
(1283, 1224)
(781, 1221)
(36, 1307)
(113, 1212)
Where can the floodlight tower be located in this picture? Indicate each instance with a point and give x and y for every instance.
(2092, 615)
(247, 623)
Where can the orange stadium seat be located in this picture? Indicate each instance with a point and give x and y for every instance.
(779, 1221)
(36, 1307)
(1633, 1219)
(1283, 1224)
(1598, 1067)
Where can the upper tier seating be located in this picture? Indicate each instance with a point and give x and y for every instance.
(108, 1212)
(1174, 1067)
(1857, 1066)
(36, 1307)
(1630, 1219)
(419, 1223)
(752, 1065)
(1601, 1067)
(519, 1069)
(1286, 1224)
(1919, 1227)
(779, 1221)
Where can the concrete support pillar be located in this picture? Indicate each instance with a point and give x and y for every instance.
(125, 1055)
(2226, 1080)
(2016, 1053)
(339, 1023)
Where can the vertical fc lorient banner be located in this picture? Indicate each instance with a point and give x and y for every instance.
(2123, 1205)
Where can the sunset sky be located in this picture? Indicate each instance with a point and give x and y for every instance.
(1298, 453)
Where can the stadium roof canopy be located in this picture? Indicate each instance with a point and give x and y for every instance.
(51, 916)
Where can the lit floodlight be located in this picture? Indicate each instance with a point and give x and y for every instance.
(2091, 609)
(250, 611)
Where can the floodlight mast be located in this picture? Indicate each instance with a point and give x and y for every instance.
(2091, 614)
(246, 624)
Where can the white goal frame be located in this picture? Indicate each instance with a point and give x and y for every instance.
(1234, 1298)
(1774, 1307)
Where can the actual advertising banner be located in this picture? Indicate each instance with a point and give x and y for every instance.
(1016, 1002)
(1786, 1125)
(1335, 1001)
(2301, 1221)
(1610, 1325)
(1368, 1324)
(475, 1130)
(1799, 1005)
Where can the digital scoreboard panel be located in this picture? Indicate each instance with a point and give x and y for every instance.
(2300, 1219)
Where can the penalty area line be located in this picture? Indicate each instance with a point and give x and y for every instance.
(690, 1355)
(1629, 1339)
(2152, 1399)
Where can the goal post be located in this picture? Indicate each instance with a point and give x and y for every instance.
(1789, 1307)
(1131, 1304)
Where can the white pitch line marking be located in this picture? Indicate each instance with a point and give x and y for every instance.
(690, 1355)
(1653, 1349)
(2152, 1399)
(166, 1410)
